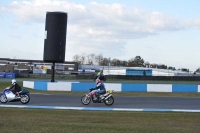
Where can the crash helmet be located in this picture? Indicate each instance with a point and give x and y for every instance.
(97, 80)
(13, 81)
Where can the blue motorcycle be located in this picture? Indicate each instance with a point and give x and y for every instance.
(8, 96)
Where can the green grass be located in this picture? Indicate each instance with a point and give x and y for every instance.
(74, 121)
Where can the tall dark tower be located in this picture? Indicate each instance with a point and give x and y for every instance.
(55, 38)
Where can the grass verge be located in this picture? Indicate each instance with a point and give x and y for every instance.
(74, 121)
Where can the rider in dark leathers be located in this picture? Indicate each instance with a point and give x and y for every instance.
(15, 88)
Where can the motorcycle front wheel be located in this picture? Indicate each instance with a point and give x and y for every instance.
(85, 100)
(109, 101)
(3, 99)
(25, 99)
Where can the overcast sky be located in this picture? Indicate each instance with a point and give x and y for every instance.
(160, 31)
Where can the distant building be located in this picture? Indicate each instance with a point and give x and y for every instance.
(184, 69)
(171, 68)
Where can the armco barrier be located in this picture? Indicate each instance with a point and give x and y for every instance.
(117, 87)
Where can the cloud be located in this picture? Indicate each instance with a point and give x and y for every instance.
(197, 22)
(94, 26)
(101, 18)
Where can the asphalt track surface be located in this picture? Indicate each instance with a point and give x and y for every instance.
(120, 102)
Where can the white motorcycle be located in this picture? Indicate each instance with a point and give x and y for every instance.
(8, 96)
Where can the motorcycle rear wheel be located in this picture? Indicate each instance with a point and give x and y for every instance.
(25, 99)
(3, 99)
(85, 100)
(109, 101)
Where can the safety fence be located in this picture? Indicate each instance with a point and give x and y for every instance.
(117, 87)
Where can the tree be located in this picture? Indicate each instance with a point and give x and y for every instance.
(83, 58)
(162, 66)
(99, 59)
(113, 62)
(124, 63)
(147, 64)
(130, 62)
(136, 62)
(91, 59)
(76, 58)
(104, 62)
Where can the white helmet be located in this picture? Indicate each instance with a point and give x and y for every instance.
(13, 81)
(97, 80)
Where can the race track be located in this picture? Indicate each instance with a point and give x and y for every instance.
(120, 102)
(127, 103)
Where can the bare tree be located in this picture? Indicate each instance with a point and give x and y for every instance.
(138, 61)
(124, 63)
(76, 58)
(91, 59)
(130, 62)
(83, 58)
(99, 59)
(104, 62)
(113, 62)
(118, 62)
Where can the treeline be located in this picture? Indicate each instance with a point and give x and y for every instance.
(137, 61)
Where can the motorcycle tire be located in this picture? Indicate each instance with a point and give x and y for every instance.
(109, 101)
(3, 99)
(85, 100)
(25, 99)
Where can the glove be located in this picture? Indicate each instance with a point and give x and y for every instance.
(91, 89)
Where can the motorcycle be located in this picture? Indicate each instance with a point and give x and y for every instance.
(106, 98)
(8, 96)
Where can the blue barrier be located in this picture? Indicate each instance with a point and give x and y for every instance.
(123, 87)
(139, 72)
(10, 75)
(2, 74)
(40, 85)
(184, 88)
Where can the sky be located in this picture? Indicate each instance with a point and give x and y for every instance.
(160, 31)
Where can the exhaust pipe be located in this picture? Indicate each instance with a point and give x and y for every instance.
(108, 96)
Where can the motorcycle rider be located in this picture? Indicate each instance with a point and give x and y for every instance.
(100, 75)
(99, 89)
(15, 88)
